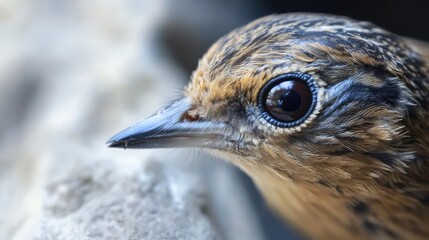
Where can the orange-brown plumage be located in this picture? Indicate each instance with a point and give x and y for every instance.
(357, 165)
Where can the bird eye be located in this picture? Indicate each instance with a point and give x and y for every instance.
(287, 100)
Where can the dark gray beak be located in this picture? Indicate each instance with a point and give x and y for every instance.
(168, 129)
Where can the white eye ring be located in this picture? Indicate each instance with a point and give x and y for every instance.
(288, 100)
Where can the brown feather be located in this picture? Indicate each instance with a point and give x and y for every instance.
(358, 168)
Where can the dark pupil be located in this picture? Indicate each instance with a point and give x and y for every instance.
(289, 101)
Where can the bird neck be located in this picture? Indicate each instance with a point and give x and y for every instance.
(346, 211)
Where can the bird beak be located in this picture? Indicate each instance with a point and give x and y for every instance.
(168, 129)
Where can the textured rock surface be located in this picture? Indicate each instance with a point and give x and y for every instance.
(72, 73)
(145, 200)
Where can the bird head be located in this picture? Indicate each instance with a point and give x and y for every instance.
(307, 97)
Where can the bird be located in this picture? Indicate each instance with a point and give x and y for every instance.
(328, 115)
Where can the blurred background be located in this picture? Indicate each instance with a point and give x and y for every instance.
(74, 72)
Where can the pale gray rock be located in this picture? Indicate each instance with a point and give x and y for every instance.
(73, 73)
(104, 200)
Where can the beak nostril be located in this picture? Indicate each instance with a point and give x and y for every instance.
(189, 117)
